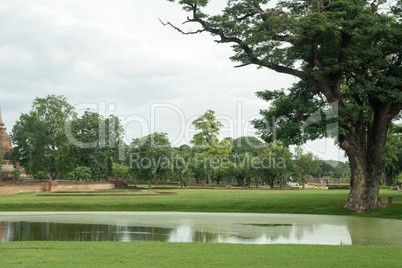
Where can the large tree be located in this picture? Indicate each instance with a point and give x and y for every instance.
(346, 55)
(95, 142)
(39, 136)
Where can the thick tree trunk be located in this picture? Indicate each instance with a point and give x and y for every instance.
(387, 179)
(365, 150)
(365, 186)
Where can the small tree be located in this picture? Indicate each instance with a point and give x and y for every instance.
(121, 171)
(306, 165)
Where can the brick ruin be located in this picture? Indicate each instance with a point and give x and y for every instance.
(5, 146)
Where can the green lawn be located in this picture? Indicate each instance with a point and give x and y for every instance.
(309, 201)
(154, 254)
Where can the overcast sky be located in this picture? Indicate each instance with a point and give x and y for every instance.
(116, 57)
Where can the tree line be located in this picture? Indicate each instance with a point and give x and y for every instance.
(53, 141)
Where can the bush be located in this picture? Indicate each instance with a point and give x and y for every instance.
(81, 173)
(42, 175)
(338, 187)
(385, 187)
(16, 173)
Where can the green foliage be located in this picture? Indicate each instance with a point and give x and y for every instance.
(339, 187)
(209, 127)
(332, 169)
(121, 171)
(151, 157)
(208, 152)
(386, 187)
(51, 137)
(398, 178)
(16, 173)
(95, 142)
(392, 163)
(306, 164)
(41, 175)
(80, 173)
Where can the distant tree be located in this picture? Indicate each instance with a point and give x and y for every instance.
(392, 163)
(207, 147)
(306, 164)
(95, 142)
(247, 144)
(151, 157)
(275, 164)
(182, 170)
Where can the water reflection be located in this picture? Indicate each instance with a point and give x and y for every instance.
(199, 227)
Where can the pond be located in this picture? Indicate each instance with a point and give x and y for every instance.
(199, 227)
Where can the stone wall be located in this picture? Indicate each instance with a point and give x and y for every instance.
(10, 187)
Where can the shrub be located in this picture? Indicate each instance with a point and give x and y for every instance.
(41, 175)
(16, 173)
(81, 173)
(338, 187)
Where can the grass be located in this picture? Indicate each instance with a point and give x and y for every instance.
(309, 201)
(155, 254)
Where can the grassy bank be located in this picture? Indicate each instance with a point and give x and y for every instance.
(154, 254)
(310, 201)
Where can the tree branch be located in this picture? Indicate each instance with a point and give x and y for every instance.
(225, 39)
(180, 30)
